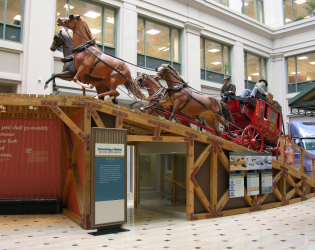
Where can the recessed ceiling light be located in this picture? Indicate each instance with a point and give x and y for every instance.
(255, 74)
(302, 57)
(288, 20)
(92, 14)
(110, 19)
(58, 13)
(66, 6)
(17, 17)
(166, 49)
(153, 31)
(216, 63)
(213, 50)
(312, 63)
(245, 4)
(300, 1)
(161, 48)
(294, 73)
(95, 31)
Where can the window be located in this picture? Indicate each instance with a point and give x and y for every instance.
(295, 10)
(11, 17)
(224, 2)
(251, 8)
(157, 44)
(255, 69)
(100, 18)
(214, 60)
(300, 71)
(262, 107)
(272, 116)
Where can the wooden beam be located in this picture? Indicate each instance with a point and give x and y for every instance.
(67, 187)
(213, 177)
(224, 199)
(149, 138)
(136, 177)
(202, 157)
(190, 185)
(71, 215)
(225, 162)
(63, 152)
(98, 121)
(78, 186)
(247, 198)
(202, 198)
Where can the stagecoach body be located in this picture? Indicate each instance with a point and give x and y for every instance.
(257, 122)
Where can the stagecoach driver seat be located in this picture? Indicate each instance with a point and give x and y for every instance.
(259, 87)
(228, 90)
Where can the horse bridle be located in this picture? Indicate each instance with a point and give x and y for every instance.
(72, 18)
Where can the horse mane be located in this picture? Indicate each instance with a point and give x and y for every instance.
(87, 28)
(175, 71)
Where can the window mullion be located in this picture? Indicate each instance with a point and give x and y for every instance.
(222, 54)
(171, 46)
(292, 11)
(4, 19)
(246, 71)
(296, 75)
(103, 28)
(68, 14)
(145, 41)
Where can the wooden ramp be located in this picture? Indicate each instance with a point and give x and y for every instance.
(207, 184)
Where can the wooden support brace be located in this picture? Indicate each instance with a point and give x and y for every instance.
(90, 107)
(119, 117)
(215, 144)
(191, 137)
(158, 129)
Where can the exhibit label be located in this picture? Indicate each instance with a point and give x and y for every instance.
(266, 182)
(252, 184)
(236, 185)
(250, 161)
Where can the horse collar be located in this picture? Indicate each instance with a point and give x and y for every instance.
(84, 45)
(67, 59)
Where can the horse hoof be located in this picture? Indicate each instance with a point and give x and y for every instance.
(115, 101)
(142, 109)
(234, 135)
(46, 86)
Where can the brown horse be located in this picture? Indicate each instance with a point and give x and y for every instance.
(155, 89)
(183, 98)
(90, 60)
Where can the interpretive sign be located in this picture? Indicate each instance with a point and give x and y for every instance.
(266, 182)
(250, 161)
(236, 185)
(252, 184)
(108, 180)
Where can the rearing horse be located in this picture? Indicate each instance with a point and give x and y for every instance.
(183, 98)
(90, 60)
(155, 89)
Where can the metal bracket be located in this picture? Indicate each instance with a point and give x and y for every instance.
(284, 171)
(53, 105)
(215, 212)
(86, 138)
(119, 115)
(192, 176)
(215, 145)
(256, 206)
(190, 138)
(285, 201)
(158, 129)
(90, 107)
(193, 217)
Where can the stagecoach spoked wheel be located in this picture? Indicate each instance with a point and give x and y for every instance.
(253, 139)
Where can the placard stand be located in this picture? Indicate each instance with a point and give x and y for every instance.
(109, 230)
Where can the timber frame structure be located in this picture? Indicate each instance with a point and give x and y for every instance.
(207, 187)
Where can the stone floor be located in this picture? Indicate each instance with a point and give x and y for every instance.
(288, 227)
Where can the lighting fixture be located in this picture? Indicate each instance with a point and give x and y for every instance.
(92, 14)
(312, 63)
(249, 78)
(161, 48)
(300, 1)
(153, 31)
(95, 31)
(302, 57)
(66, 6)
(110, 19)
(30, 107)
(255, 74)
(245, 4)
(216, 63)
(17, 17)
(294, 73)
(287, 20)
(213, 50)
(166, 49)
(3, 107)
(58, 13)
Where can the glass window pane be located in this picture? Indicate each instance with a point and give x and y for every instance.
(291, 69)
(157, 40)
(13, 14)
(213, 56)
(13, 33)
(109, 35)
(261, 11)
(299, 12)
(253, 67)
(227, 61)
(1, 10)
(272, 117)
(251, 8)
(92, 14)
(140, 60)
(218, 1)
(306, 67)
(153, 63)
(110, 51)
(263, 68)
(201, 54)
(262, 105)
(288, 11)
(140, 35)
(61, 11)
(175, 45)
(224, 2)
(1, 30)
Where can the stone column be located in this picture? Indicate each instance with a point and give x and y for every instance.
(38, 32)
(191, 55)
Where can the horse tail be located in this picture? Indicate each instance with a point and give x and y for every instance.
(134, 88)
(226, 112)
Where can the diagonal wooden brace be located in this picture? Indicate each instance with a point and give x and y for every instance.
(53, 105)
(192, 176)
(190, 138)
(86, 138)
(158, 129)
(256, 205)
(90, 107)
(119, 115)
(215, 145)
(215, 212)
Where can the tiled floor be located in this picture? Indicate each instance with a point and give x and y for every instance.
(288, 227)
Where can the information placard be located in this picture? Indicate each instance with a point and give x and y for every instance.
(236, 185)
(250, 161)
(252, 184)
(266, 182)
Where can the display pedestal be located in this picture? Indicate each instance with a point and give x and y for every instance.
(109, 230)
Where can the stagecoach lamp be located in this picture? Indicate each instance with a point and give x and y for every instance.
(3, 107)
(30, 107)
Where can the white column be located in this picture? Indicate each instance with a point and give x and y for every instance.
(127, 38)
(191, 55)
(38, 29)
(273, 10)
(237, 61)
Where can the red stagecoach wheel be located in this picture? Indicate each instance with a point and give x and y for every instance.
(289, 153)
(253, 139)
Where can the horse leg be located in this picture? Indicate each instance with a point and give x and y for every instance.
(221, 120)
(209, 118)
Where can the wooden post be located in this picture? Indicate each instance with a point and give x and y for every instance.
(136, 179)
(282, 149)
(213, 178)
(62, 161)
(302, 161)
(173, 199)
(87, 172)
(189, 184)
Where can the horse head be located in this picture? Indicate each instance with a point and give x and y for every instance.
(140, 80)
(58, 41)
(68, 22)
